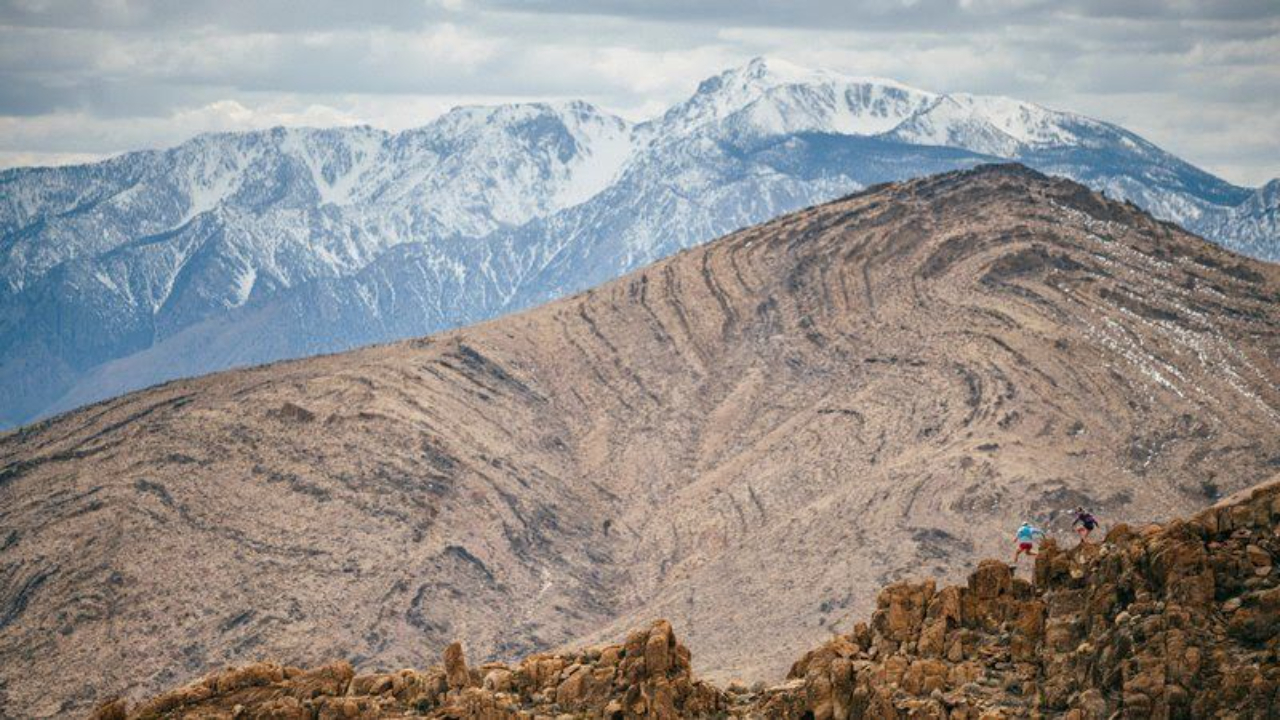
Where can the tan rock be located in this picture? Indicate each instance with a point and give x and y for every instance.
(499, 680)
(901, 610)
(455, 667)
(658, 647)
(1258, 556)
(330, 679)
(933, 638)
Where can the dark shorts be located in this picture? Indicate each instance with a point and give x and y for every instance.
(1024, 546)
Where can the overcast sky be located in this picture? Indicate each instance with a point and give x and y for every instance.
(80, 80)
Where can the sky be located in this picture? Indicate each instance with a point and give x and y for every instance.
(83, 80)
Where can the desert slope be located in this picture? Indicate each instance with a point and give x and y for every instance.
(1179, 621)
(751, 434)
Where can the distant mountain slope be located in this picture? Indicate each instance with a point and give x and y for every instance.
(754, 433)
(245, 248)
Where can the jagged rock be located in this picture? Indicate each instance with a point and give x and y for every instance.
(455, 667)
(657, 656)
(498, 680)
(1259, 557)
(1258, 618)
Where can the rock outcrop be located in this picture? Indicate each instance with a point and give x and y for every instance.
(647, 676)
(1173, 621)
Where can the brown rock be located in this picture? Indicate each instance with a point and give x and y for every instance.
(327, 680)
(248, 676)
(1258, 556)
(933, 638)
(498, 680)
(1028, 629)
(373, 684)
(610, 655)
(658, 647)
(1258, 618)
(901, 610)
(455, 667)
(573, 690)
(662, 701)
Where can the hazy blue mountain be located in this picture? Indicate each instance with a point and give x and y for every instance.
(243, 248)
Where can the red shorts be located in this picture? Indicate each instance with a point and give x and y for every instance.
(1025, 546)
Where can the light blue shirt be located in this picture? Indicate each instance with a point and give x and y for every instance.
(1026, 533)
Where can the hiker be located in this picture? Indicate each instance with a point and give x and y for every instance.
(1026, 538)
(1084, 524)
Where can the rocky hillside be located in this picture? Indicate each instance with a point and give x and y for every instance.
(1173, 621)
(755, 433)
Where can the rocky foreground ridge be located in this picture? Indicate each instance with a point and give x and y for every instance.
(1174, 621)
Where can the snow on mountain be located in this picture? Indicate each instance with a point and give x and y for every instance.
(1253, 225)
(995, 126)
(770, 97)
(240, 248)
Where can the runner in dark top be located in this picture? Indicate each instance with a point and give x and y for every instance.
(1084, 524)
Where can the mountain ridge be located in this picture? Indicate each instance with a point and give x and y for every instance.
(847, 387)
(103, 264)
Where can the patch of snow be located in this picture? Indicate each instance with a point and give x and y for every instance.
(1025, 122)
(606, 145)
(206, 193)
(244, 286)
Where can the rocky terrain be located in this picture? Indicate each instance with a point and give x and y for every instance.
(1173, 621)
(244, 248)
(747, 438)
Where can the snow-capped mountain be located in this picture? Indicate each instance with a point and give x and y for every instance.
(1252, 227)
(242, 248)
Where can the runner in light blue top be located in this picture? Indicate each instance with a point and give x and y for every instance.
(1026, 539)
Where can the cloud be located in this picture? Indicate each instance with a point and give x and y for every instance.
(83, 79)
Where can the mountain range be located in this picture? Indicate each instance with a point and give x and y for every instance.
(237, 249)
(748, 438)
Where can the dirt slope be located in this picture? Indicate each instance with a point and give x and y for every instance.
(746, 438)
(1180, 621)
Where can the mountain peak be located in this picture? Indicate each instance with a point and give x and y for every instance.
(756, 140)
(504, 115)
(780, 96)
(766, 73)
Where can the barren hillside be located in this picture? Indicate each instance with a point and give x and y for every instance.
(747, 438)
(1179, 621)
